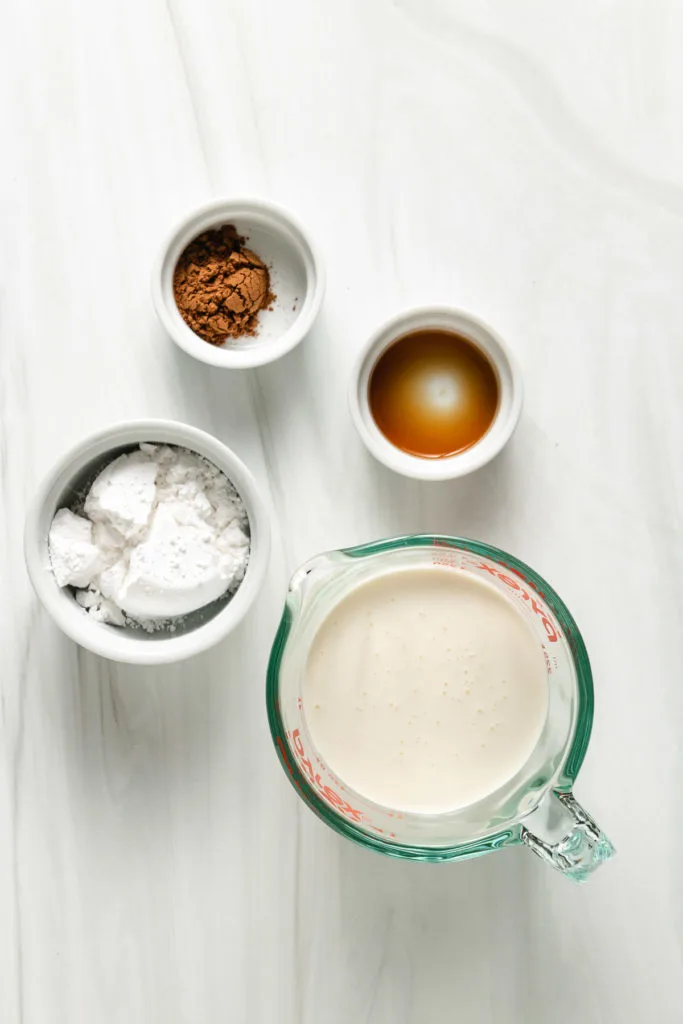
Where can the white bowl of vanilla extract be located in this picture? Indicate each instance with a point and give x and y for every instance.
(436, 393)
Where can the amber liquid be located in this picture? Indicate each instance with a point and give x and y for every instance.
(433, 393)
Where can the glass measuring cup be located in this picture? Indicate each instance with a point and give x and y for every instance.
(536, 807)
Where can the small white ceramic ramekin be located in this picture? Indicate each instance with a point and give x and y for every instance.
(297, 279)
(73, 472)
(509, 406)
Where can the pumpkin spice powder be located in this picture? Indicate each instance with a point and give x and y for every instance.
(220, 286)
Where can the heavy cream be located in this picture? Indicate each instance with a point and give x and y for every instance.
(425, 690)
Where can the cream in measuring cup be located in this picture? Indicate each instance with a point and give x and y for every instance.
(425, 690)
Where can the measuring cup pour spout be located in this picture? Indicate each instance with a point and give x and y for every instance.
(573, 843)
(314, 571)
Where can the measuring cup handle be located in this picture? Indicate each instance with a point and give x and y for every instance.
(575, 844)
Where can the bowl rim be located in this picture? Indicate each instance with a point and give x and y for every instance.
(104, 639)
(219, 211)
(507, 368)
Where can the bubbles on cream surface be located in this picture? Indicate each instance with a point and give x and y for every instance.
(425, 690)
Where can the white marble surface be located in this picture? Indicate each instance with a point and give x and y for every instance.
(520, 160)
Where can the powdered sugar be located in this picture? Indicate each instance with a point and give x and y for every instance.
(123, 495)
(163, 533)
(75, 559)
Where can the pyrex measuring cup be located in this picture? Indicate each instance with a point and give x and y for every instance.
(536, 807)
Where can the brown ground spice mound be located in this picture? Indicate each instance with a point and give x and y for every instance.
(220, 286)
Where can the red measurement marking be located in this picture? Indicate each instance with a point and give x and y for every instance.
(550, 629)
(327, 793)
(285, 760)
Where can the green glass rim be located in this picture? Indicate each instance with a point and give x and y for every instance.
(575, 754)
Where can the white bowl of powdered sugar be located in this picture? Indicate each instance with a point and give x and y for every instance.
(148, 542)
